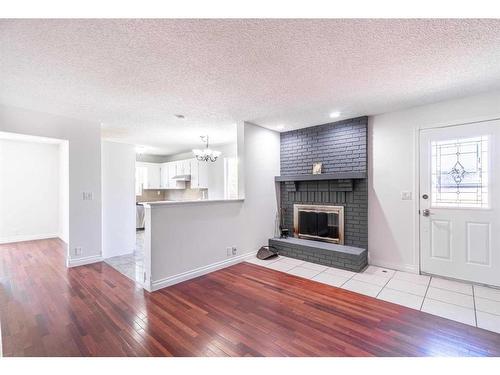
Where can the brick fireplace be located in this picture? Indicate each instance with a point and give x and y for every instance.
(341, 147)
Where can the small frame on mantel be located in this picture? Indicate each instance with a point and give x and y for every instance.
(317, 168)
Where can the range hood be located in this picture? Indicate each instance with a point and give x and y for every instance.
(182, 177)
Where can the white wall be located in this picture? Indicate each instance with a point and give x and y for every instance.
(64, 191)
(216, 171)
(84, 172)
(118, 199)
(29, 190)
(392, 140)
(191, 238)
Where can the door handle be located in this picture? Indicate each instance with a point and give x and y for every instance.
(426, 212)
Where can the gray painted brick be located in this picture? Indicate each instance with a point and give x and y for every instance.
(355, 263)
(341, 147)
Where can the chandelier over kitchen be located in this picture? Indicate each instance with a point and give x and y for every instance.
(206, 154)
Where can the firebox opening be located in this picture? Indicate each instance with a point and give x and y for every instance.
(319, 222)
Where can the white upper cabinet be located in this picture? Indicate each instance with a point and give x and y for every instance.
(164, 177)
(199, 174)
(183, 167)
(174, 169)
(150, 175)
(160, 176)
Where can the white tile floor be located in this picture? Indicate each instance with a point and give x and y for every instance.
(131, 265)
(463, 302)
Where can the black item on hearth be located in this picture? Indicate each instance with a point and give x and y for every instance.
(284, 232)
(266, 252)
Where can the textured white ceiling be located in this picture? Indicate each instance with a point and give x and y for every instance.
(134, 75)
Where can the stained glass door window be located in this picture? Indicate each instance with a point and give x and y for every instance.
(460, 173)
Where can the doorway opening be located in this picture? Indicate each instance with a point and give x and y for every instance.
(34, 188)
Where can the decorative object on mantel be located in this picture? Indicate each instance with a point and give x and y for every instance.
(317, 168)
(206, 154)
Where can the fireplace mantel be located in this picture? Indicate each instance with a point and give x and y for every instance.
(323, 176)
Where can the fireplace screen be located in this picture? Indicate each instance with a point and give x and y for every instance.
(319, 222)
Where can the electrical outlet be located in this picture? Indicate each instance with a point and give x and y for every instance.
(78, 251)
(87, 196)
(229, 251)
(234, 250)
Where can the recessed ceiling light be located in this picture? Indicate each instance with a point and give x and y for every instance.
(280, 127)
(179, 116)
(335, 114)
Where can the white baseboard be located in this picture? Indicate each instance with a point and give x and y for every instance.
(171, 280)
(393, 266)
(32, 237)
(61, 237)
(83, 261)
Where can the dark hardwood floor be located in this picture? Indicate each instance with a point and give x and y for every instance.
(243, 310)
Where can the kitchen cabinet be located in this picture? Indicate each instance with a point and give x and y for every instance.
(170, 170)
(183, 167)
(199, 174)
(149, 176)
(164, 177)
(160, 175)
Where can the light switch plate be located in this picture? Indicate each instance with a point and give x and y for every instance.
(406, 195)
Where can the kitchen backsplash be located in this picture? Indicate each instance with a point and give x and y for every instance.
(151, 196)
(154, 195)
(185, 194)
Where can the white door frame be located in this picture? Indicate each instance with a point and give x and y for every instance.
(418, 130)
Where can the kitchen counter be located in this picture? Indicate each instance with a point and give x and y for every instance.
(166, 203)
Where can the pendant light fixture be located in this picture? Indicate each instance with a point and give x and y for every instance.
(206, 154)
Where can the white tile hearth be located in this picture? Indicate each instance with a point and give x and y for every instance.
(292, 261)
(488, 305)
(448, 296)
(314, 266)
(460, 301)
(485, 292)
(449, 311)
(407, 287)
(262, 262)
(303, 272)
(381, 272)
(412, 278)
(372, 279)
(454, 286)
(491, 322)
(362, 288)
(280, 266)
(330, 279)
(340, 272)
(401, 298)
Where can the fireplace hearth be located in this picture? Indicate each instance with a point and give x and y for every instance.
(319, 222)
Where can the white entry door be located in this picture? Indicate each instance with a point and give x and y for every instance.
(460, 202)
